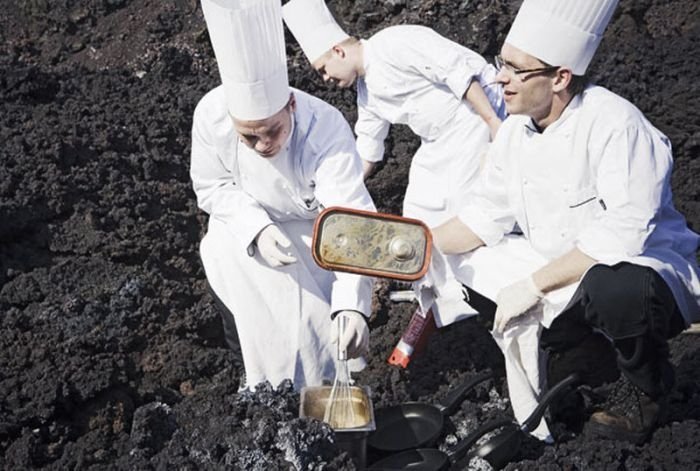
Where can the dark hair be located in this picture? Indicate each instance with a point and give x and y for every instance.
(350, 40)
(578, 84)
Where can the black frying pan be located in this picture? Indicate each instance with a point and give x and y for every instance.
(497, 450)
(432, 459)
(416, 424)
(500, 449)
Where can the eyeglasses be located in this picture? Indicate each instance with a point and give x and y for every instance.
(501, 64)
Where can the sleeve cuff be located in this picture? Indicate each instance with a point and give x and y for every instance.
(459, 81)
(334, 314)
(247, 234)
(369, 149)
(487, 230)
(352, 293)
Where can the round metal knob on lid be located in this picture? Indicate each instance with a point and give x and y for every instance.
(341, 240)
(401, 249)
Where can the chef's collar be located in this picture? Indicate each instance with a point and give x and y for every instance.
(573, 105)
(292, 128)
(367, 55)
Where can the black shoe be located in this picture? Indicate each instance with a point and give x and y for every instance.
(628, 414)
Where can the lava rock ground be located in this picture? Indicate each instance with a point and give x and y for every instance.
(111, 350)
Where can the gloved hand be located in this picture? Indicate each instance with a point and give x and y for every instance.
(271, 242)
(514, 300)
(355, 337)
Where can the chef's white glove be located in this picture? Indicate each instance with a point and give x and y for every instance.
(274, 246)
(355, 338)
(514, 300)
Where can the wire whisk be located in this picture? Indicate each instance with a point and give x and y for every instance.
(340, 411)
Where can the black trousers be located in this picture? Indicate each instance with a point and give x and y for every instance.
(621, 316)
(618, 321)
(228, 323)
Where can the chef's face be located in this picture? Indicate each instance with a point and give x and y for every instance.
(336, 67)
(267, 136)
(529, 93)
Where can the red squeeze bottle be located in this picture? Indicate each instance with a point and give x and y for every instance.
(414, 338)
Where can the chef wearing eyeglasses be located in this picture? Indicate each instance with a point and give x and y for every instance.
(605, 263)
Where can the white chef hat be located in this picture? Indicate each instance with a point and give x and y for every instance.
(313, 26)
(561, 32)
(248, 41)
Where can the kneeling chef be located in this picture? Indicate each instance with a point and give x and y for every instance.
(605, 270)
(266, 159)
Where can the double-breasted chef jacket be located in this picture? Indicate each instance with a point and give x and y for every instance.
(282, 314)
(597, 179)
(416, 77)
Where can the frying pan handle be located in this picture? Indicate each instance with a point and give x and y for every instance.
(458, 451)
(455, 397)
(534, 419)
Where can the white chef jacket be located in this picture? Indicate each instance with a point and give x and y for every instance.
(416, 77)
(597, 179)
(281, 314)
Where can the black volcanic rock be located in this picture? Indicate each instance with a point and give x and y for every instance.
(111, 351)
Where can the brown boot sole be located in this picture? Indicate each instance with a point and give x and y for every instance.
(693, 329)
(612, 433)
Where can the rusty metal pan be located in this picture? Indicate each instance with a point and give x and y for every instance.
(373, 244)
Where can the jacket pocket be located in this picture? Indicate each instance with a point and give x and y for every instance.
(584, 207)
(582, 197)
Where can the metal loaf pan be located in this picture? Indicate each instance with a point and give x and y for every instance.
(353, 440)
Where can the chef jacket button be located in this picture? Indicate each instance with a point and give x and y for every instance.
(563, 233)
(524, 181)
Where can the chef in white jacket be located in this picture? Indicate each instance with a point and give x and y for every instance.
(604, 263)
(411, 75)
(265, 159)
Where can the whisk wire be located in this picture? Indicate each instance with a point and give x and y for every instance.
(340, 412)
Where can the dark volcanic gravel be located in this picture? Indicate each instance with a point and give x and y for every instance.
(111, 351)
